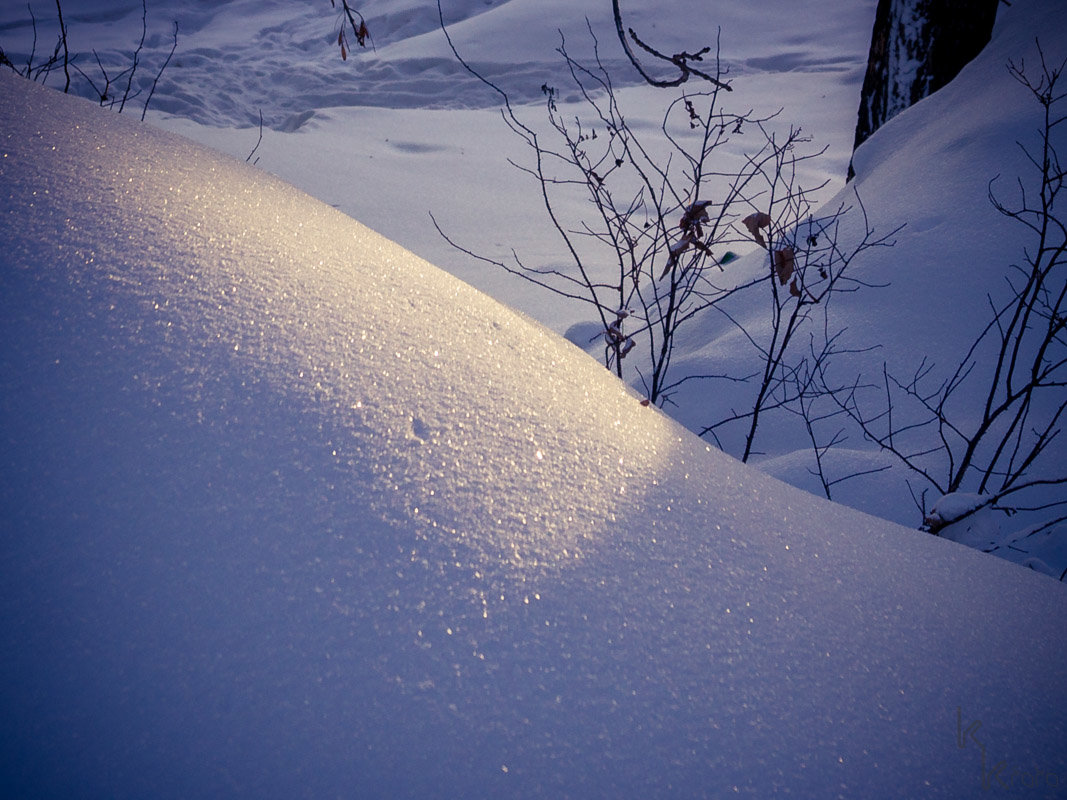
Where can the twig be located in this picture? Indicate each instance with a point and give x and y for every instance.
(260, 139)
(66, 52)
(681, 60)
(159, 74)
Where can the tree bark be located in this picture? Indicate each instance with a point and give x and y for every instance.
(918, 46)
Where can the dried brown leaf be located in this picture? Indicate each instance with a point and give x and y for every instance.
(756, 221)
(784, 263)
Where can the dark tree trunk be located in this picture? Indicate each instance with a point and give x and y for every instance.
(918, 46)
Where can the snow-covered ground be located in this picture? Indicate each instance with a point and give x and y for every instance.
(289, 512)
(929, 169)
(400, 130)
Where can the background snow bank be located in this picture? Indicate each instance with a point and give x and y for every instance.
(289, 512)
(402, 129)
(929, 169)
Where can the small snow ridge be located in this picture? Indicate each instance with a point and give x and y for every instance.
(295, 121)
(586, 335)
(954, 506)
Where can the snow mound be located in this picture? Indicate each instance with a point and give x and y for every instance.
(929, 169)
(288, 512)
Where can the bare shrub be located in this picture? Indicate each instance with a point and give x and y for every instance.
(1016, 364)
(666, 212)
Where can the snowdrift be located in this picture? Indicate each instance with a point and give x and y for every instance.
(288, 512)
(928, 169)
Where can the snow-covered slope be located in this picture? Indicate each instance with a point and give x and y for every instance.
(288, 512)
(928, 169)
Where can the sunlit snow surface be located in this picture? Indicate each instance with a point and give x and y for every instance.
(288, 512)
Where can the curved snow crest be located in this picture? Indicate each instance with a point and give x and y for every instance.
(412, 381)
(290, 513)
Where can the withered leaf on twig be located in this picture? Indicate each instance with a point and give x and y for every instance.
(696, 214)
(784, 261)
(756, 221)
(675, 252)
(793, 288)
